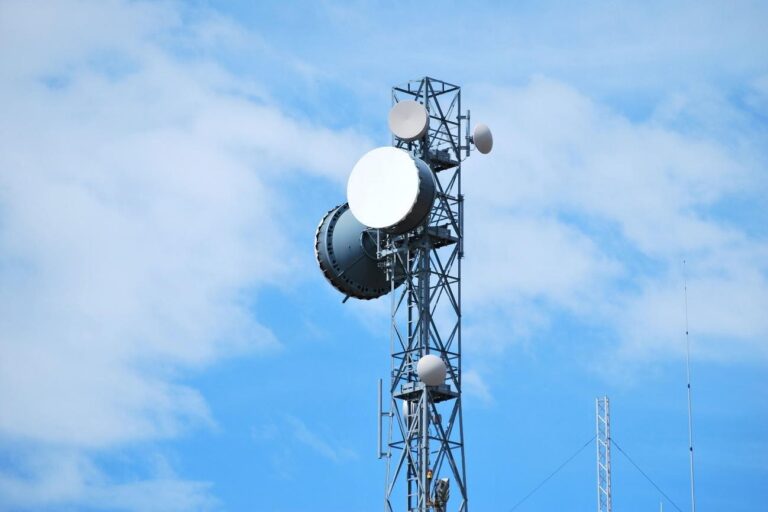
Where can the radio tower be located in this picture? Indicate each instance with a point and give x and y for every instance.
(603, 441)
(426, 438)
(401, 233)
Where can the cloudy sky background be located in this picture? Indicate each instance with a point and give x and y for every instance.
(167, 343)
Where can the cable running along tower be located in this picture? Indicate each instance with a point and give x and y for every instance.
(404, 238)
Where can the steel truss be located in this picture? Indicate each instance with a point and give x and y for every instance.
(603, 441)
(426, 433)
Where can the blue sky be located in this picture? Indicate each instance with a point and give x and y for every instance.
(167, 342)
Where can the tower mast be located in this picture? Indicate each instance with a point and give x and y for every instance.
(425, 450)
(603, 442)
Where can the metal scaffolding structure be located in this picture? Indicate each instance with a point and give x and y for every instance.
(603, 441)
(425, 445)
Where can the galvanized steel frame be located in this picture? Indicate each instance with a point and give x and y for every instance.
(603, 443)
(427, 440)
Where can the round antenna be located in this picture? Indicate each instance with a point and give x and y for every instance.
(408, 120)
(389, 189)
(482, 138)
(346, 252)
(431, 370)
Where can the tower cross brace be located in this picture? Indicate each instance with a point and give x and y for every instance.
(425, 445)
(603, 442)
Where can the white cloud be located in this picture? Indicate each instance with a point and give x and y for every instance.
(331, 450)
(526, 258)
(727, 312)
(65, 476)
(584, 211)
(137, 217)
(475, 386)
(290, 436)
(623, 51)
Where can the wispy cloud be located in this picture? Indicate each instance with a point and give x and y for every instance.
(137, 217)
(287, 437)
(475, 386)
(139, 212)
(621, 50)
(321, 445)
(582, 210)
(62, 476)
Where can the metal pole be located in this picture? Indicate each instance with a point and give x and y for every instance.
(688, 378)
(424, 307)
(609, 491)
(379, 416)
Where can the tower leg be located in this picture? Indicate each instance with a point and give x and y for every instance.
(427, 439)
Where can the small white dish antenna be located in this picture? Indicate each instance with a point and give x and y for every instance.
(389, 189)
(482, 138)
(408, 120)
(431, 370)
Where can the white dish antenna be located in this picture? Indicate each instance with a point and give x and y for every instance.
(482, 138)
(431, 370)
(408, 120)
(389, 189)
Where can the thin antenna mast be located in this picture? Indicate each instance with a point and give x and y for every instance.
(603, 443)
(688, 377)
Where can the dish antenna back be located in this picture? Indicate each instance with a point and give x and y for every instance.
(346, 253)
(482, 138)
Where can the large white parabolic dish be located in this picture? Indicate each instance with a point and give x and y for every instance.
(408, 120)
(389, 189)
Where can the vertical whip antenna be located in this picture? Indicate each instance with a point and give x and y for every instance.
(688, 377)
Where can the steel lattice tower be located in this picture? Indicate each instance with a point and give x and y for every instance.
(426, 439)
(603, 441)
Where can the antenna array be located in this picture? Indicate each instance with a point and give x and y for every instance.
(404, 226)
